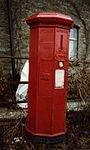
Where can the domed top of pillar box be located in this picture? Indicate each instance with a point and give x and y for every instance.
(50, 18)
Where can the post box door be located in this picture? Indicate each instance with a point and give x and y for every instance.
(60, 82)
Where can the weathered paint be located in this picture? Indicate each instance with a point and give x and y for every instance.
(49, 37)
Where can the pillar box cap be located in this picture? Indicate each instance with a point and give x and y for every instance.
(50, 18)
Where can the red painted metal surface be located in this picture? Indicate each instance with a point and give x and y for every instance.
(48, 74)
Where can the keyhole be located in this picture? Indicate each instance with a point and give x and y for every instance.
(42, 77)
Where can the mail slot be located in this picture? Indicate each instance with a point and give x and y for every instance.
(48, 74)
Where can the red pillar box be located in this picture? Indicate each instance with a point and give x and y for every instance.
(48, 74)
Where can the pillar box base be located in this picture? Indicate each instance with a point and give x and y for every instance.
(45, 140)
